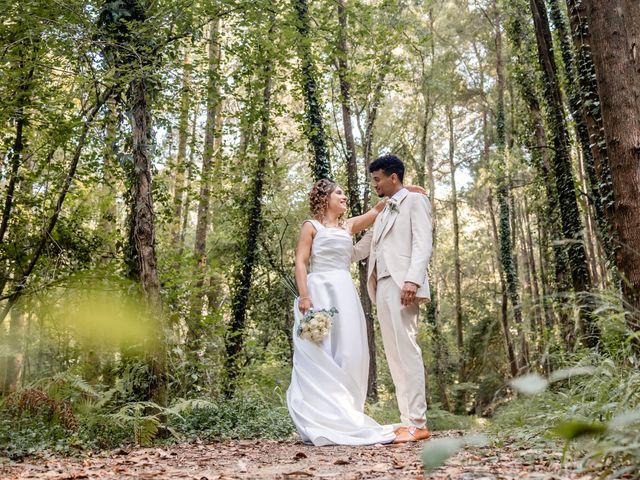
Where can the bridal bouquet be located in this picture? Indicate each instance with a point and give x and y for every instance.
(316, 324)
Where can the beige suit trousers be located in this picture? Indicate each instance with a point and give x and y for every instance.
(399, 328)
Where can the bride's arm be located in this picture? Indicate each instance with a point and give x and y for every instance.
(303, 252)
(364, 221)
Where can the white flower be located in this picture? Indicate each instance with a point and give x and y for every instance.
(316, 324)
(392, 205)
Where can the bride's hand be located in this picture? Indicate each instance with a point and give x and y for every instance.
(304, 304)
(416, 189)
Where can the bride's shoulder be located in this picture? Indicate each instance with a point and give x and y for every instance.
(311, 224)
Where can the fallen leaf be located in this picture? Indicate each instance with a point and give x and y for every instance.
(297, 473)
(340, 461)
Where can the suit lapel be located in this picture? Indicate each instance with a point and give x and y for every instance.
(391, 219)
(378, 227)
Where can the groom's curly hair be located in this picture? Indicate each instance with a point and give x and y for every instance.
(389, 164)
(319, 198)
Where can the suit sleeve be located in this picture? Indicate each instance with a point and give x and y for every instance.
(362, 249)
(421, 242)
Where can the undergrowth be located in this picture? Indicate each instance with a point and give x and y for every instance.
(595, 415)
(66, 415)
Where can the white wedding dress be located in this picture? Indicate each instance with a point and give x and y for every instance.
(329, 379)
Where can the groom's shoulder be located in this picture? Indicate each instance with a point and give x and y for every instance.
(418, 202)
(415, 197)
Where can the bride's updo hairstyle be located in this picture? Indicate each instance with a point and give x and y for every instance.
(319, 199)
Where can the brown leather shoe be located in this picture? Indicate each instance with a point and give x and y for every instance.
(411, 434)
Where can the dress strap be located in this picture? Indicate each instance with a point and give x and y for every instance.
(316, 224)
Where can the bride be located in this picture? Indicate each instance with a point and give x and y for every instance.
(329, 379)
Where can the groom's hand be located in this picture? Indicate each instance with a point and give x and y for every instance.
(408, 293)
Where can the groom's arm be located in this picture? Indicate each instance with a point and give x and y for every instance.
(362, 249)
(421, 242)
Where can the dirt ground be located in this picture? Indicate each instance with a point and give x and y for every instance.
(263, 459)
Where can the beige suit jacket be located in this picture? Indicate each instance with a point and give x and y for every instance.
(406, 243)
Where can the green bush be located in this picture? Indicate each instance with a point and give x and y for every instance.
(251, 417)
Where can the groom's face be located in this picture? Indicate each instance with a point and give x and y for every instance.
(384, 185)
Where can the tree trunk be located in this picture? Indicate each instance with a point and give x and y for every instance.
(180, 165)
(581, 88)
(313, 127)
(13, 360)
(590, 240)
(616, 67)
(342, 54)
(504, 225)
(15, 159)
(142, 253)
(527, 271)
(540, 154)
(189, 172)
(367, 151)
(439, 342)
(461, 400)
(591, 112)
(211, 136)
(109, 212)
(566, 190)
(504, 314)
(537, 300)
(234, 344)
(356, 206)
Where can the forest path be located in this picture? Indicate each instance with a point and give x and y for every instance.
(282, 460)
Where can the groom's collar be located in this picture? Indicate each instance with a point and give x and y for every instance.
(399, 195)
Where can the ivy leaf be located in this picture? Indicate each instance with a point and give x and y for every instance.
(532, 384)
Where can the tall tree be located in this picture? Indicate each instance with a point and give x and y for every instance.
(179, 184)
(457, 268)
(243, 275)
(616, 66)
(342, 67)
(565, 186)
(525, 75)
(210, 152)
(504, 313)
(504, 216)
(313, 127)
(592, 154)
(131, 54)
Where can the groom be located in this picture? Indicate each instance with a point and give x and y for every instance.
(399, 248)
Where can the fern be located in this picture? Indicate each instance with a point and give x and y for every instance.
(66, 385)
(146, 429)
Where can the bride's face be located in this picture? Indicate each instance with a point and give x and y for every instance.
(337, 201)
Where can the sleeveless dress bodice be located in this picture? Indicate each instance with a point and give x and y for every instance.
(329, 379)
(331, 249)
